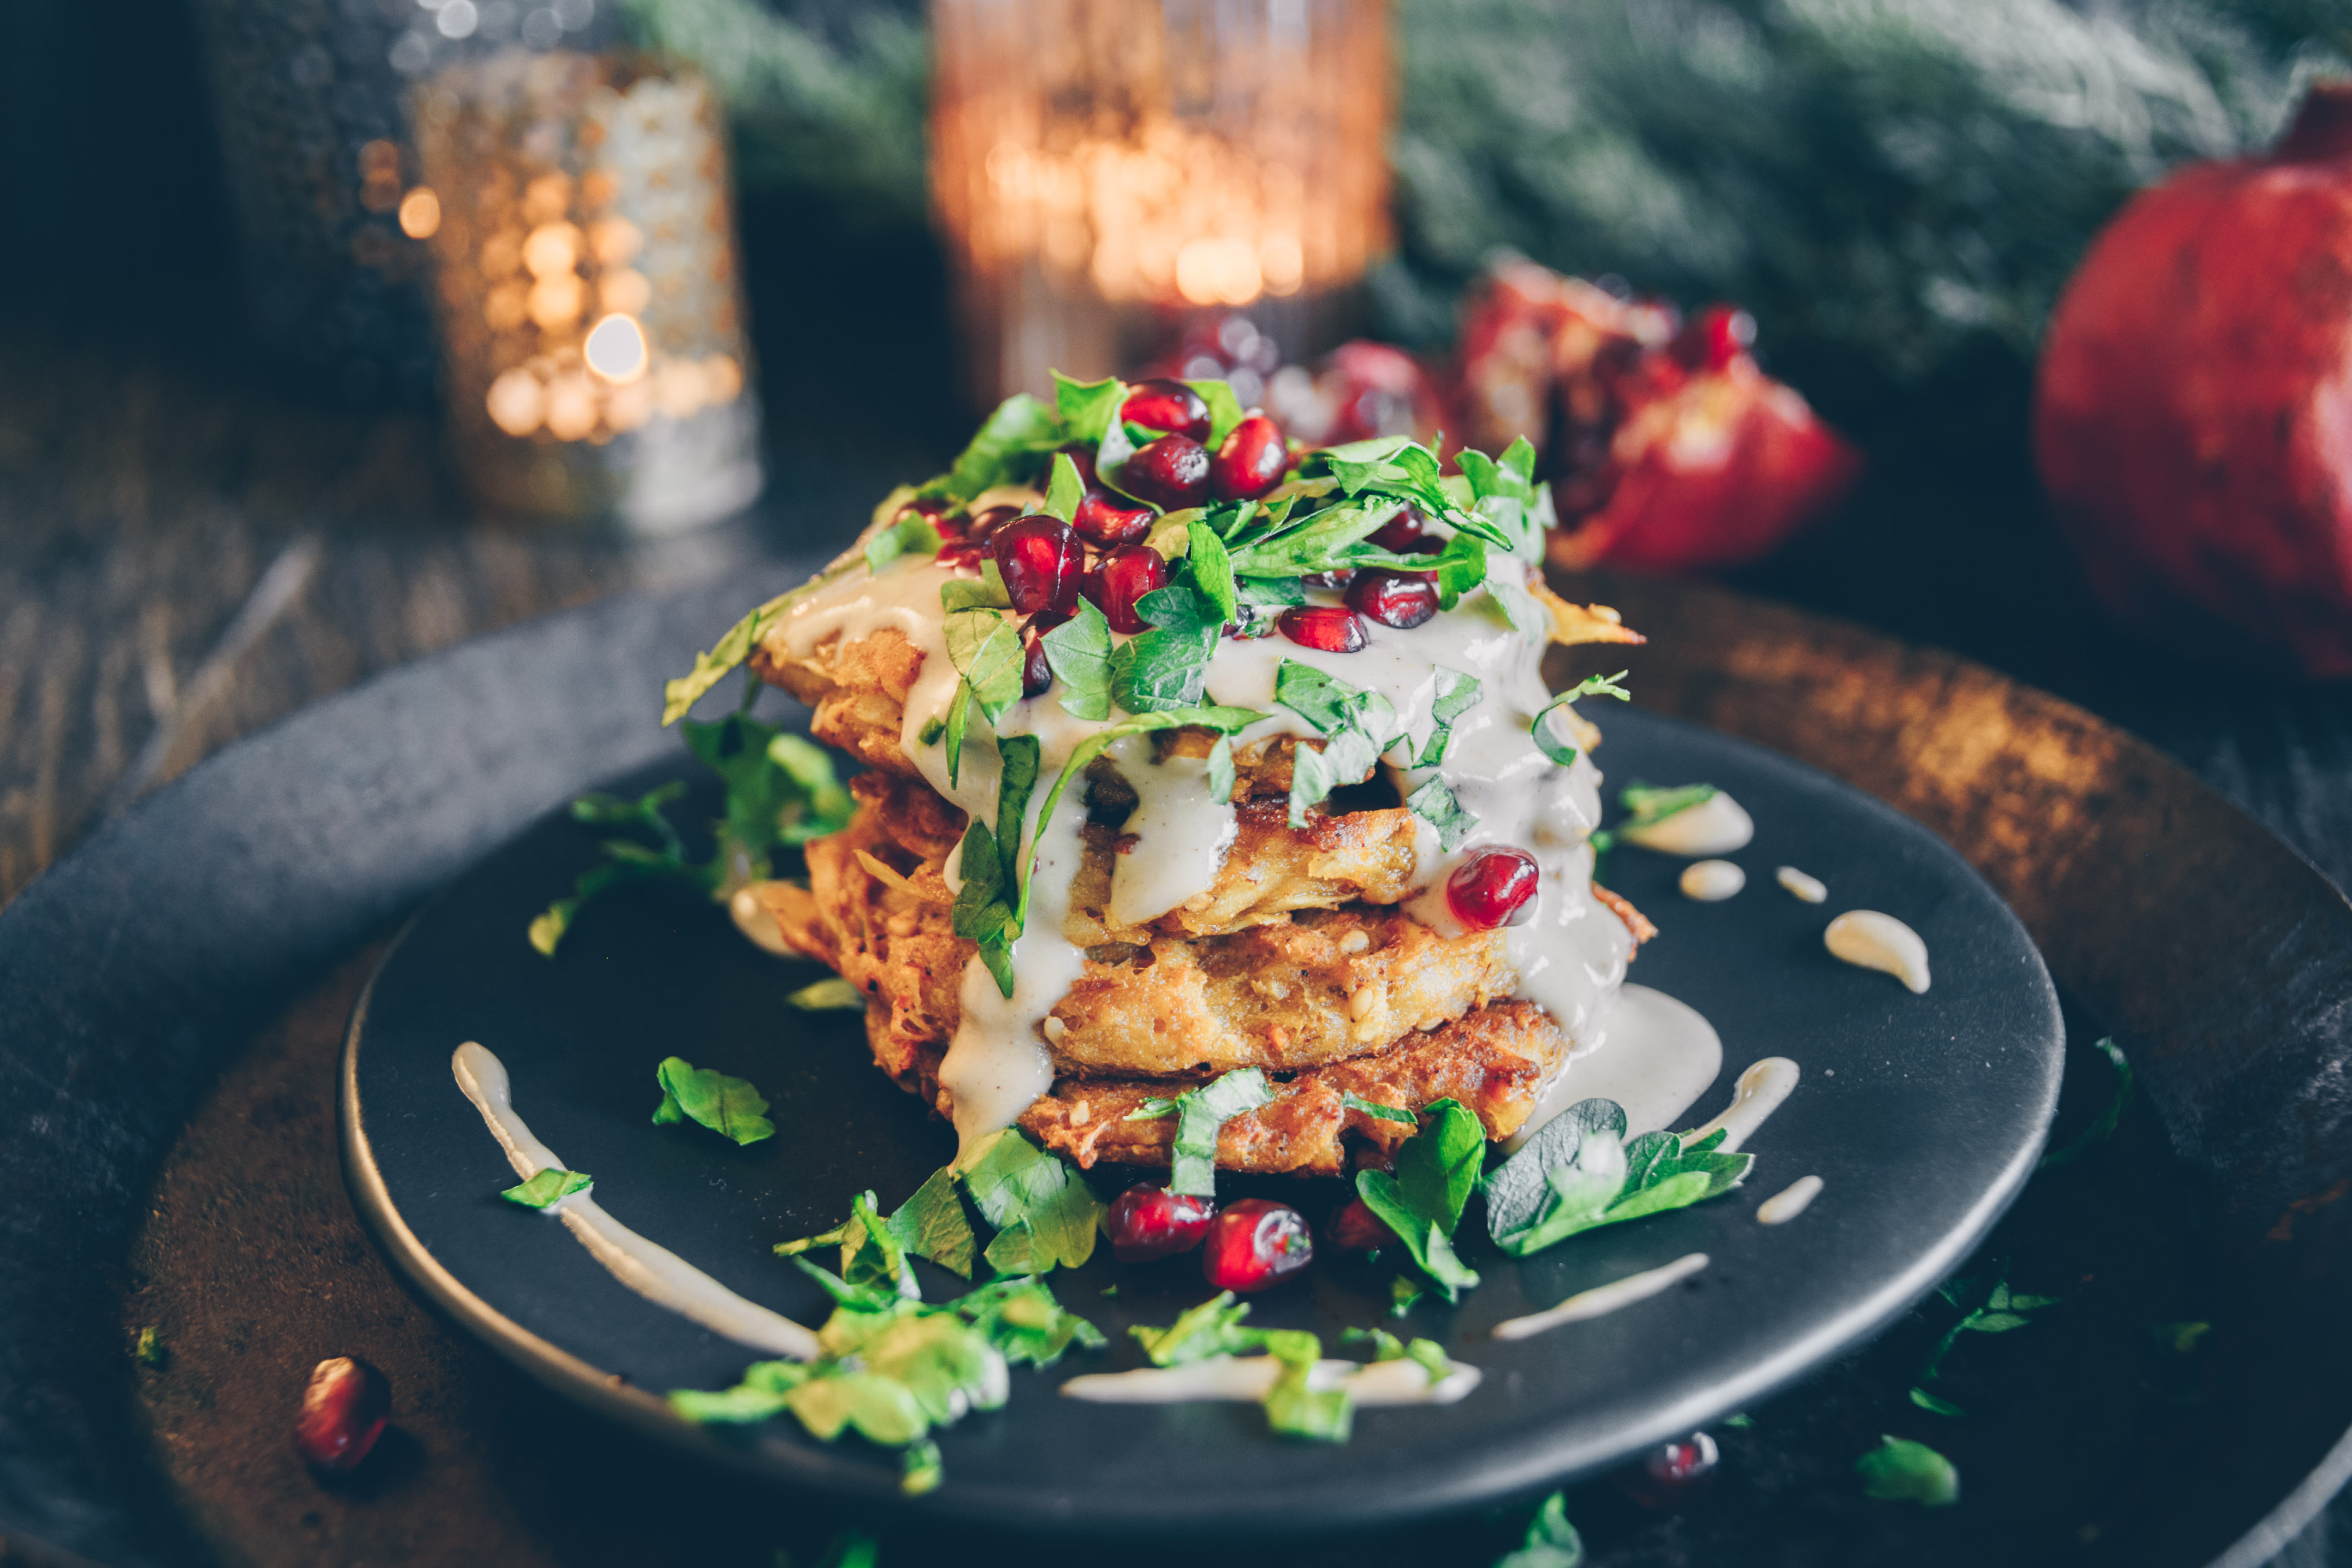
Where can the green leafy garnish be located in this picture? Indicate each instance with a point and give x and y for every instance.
(1200, 1112)
(548, 1188)
(1006, 450)
(2180, 1338)
(913, 534)
(728, 1106)
(1456, 694)
(2103, 1127)
(1652, 805)
(1043, 1214)
(1900, 1470)
(932, 1224)
(1404, 1295)
(780, 793)
(1589, 1177)
(1293, 1405)
(1551, 1541)
(1540, 728)
(920, 1471)
(1435, 803)
(1066, 489)
(1022, 1319)
(1374, 1107)
(1225, 409)
(1212, 1328)
(1928, 1402)
(1517, 1188)
(1436, 1170)
(1089, 408)
(1358, 726)
(831, 995)
(2001, 1311)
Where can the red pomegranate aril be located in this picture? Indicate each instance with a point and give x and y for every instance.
(960, 555)
(1326, 627)
(984, 525)
(1715, 337)
(1036, 671)
(1168, 405)
(1083, 455)
(1252, 460)
(343, 1412)
(1407, 531)
(1124, 577)
(1494, 888)
(1672, 1475)
(1147, 1222)
(1357, 1228)
(1039, 558)
(1107, 521)
(1170, 472)
(1400, 599)
(1253, 1244)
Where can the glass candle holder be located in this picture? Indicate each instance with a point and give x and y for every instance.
(594, 354)
(1100, 168)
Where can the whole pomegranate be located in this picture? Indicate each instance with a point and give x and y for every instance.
(2193, 420)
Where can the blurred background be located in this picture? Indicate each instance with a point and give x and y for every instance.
(302, 304)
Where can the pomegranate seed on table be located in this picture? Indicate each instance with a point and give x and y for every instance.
(1400, 599)
(1252, 460)
(343, 1412)
(1117, 586)
(1407, 531)
(1040, 560)
(1326, 627)
(1147, 1222)
(1255, 1243)
(1106, 519)
(1036, 672)
(1357, 1228)
(1170, 472)
(1168, 405)
(1494, 888)
(1671, 1474)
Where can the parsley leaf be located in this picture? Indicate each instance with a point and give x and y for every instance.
(1421, 1202)
(1212, 1328)
(985, 592)
(1225, 409)
(1005, 449)
(1200, 1112)
(1078, 650)
(1516, 1188)
(548, 1188)
(1435, 803)
(1065, 491)
(830, 994)
(1652, 805)
(1374, 1107)
(1024, 1322)
(1933, 1405)
(1900, 1470)
(1211, 569)
(1549, 744)
(1551, 1541)
(1220, 770)
(1089, 408)
(1593, 1179)
(2001, 1311)
(2100, 1129)
(728, 1106)
(931, 1224)
(1358, 727)
(913, 534)
(1456, 694)
(1045, 1214)
(1293, 1406)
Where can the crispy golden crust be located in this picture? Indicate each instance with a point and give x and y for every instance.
(858, 691)
(1495, 1060)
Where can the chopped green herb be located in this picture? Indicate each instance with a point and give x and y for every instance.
(1436, 1170)
(831, 995)
(1928, 1402)
(150, 1348)
(548, 1188)
(1456, 694)
(1043, 1214)
(1435, 803)
(1900, 1470)
(918, 1471)
(1292, 1406)
(931, 1224)
(1551, 1541)
(2001, 1311)
(1517, 1188)
(1006, 448)
(1221, 769)
(1740, 1423)
(1653, 805)
(1225, 409)
(1540, 729)
(985, 592)
(1374, 1107)
(913, 534)
(1200, 1112)
(2180, 1338)
(1404, 1295)
(1589, 1178)
(1065, 489)
(1024, 1322)
(1211, 569)
(2103, 1127)
(1212, 1328)
(728, 1106)
(931, 732)
(1089, 408)
(1078, 652)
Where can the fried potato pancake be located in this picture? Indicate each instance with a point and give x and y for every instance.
(1495, 1060)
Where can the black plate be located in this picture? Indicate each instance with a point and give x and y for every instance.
(1923, 1115)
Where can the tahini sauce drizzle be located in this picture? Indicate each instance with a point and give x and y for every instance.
(1569, 957)
(1716, 826)
(654, 1272)
(1760, 1091)
(1246, 1379)
(1604, 1300)
(1652, 1054)
(1788, 1202)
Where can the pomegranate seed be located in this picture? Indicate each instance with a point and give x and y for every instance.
(1106, 519)
(1672, 1475)
(1325, 626)
(1339, 579)
(1147, 1222)
(1124, 577)
(1036, 672)
(1494, 888)
(1250, 461)
(1405, 532)
(1039, 558)
(1400, 599)
(1083, 455)
(987, 522)
(1715, 337)
(1170, 472)
(1168, 405)
(961, 554)
(1357, 1228)
(1253, 1244)
(343, 1412)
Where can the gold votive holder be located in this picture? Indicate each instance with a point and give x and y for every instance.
(1102, 168)
(594, 361)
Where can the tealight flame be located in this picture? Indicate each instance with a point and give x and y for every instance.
(615, 349)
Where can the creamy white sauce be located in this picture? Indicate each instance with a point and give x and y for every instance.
(654, 1272)
(1604, 1300)
(1760, 1091)
(1569, 957)
(1869, 940)
(1652, 1055)
(1810, 888)
(1716, 826)
(1712, 881)
(1788, 1202)
(1246, 1379)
